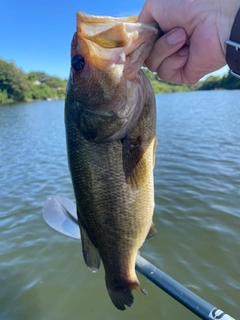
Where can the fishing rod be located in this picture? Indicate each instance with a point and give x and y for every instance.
(60, 214)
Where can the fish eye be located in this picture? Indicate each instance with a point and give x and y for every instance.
(78, 62)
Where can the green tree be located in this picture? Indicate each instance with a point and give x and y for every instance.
(32, 76)
(54, 82)
(230, 82)
(13, 81)
(160, 86)
(3, 96)
(211, 83)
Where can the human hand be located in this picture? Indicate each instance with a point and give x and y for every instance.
(193, 43)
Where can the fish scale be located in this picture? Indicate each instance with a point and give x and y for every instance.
(111, 152)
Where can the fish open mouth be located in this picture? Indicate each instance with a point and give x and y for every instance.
(109, 41)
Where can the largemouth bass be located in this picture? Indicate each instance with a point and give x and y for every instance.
(110, 120)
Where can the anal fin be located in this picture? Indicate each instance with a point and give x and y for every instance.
(90, 252)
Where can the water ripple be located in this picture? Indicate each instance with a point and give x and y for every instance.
(197, 213)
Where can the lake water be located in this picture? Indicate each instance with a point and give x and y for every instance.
(197, 213)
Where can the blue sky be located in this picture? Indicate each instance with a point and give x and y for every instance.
(36, 35)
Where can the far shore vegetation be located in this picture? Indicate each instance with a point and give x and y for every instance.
(18, 86)
(227, 82)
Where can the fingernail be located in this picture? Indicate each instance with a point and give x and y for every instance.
(176, 37)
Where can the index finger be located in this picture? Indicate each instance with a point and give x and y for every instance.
(145, 15)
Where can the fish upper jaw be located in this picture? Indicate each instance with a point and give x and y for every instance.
(109, 42)
(107, 93)
(113, 51)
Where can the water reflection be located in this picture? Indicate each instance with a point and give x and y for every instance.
(197, 214)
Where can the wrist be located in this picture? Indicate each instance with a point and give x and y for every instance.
(227, 16)
(233, 47)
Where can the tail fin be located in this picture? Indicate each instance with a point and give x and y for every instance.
(121, 296)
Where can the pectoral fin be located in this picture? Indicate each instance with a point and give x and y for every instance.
(90, 252)
(134, 163)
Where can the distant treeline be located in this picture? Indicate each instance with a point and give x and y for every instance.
(17, 86)
(160, 86)
(227, 82)
(211, 83)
